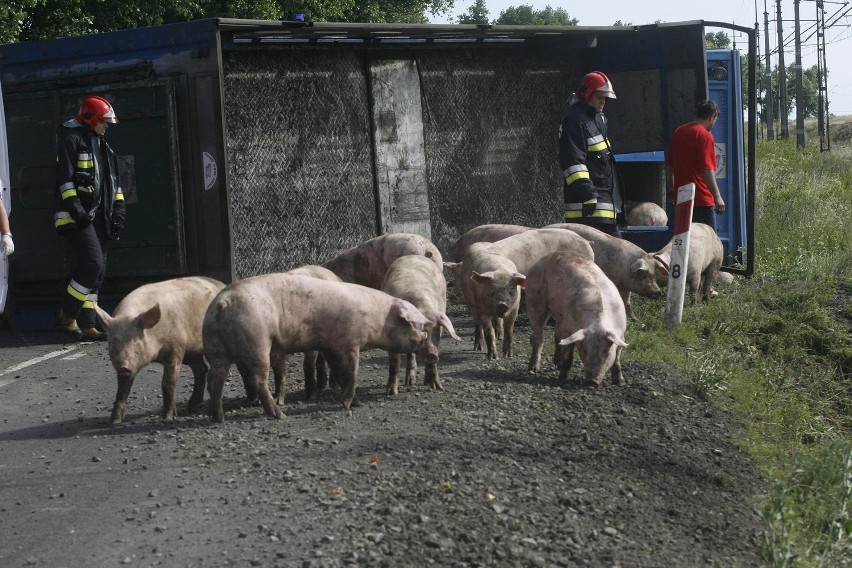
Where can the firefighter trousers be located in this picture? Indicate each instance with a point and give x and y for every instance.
(87, 272)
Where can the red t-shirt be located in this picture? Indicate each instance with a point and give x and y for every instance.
(692, 149)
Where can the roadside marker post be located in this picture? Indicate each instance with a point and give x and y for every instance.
(680, 255)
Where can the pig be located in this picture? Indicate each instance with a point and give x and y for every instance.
(284, 313)
(367, 263)
(494, 291)
(484, 234)
(417, 280)
(629, 267)
(705, 258)
(313, 366)
(522, 250)
(588, 312)
(160, 323)
(647, 214)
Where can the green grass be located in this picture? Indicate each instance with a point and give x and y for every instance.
(776, 349)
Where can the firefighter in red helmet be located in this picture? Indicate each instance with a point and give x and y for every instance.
(590, 179)
(90, 212)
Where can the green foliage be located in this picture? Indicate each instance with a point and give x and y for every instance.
(525, 15)
(777, 350)
(22, 20)
(477, 14)
(717, 40)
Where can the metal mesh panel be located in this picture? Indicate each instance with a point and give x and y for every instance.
(491, 120)
(299, 157)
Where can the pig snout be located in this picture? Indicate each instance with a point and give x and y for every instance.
(502, 309)
(124, 374)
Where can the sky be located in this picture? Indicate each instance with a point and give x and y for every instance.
(838, 38)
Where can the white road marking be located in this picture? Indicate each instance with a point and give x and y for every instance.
(34, 361)
(74, 356)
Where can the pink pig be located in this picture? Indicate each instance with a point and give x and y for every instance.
(261, 318)
(588, 311)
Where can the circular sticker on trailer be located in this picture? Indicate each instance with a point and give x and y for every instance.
(721, 160)
(210, 170)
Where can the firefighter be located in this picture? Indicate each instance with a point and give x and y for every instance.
(590, 178)
(90, 212)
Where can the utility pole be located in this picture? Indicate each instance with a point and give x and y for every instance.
(800, 103)
(782, 77)
(822, 79)
(770, 120)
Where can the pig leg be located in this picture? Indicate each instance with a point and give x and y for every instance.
(509, 332)
(393, 374)
(410, 369)
(171, 370)
(617, 377)
(251, 389)
(490, 341)
(215, 383)
(430, 377)
(259, 373)
(563, 357)
(625, 297)
(279, 375)
(498, 327)
(477, 338)
(125, 381)
(321, 372)
(345, 366)
(309, 368)
(199, 373)
(538, 320)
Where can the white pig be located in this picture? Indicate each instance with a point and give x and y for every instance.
(706, 253)
(629, 267)
(313, 366)
(293, 313)
(367, 263)
(588, 312)
(160, 323)
(417, 280)
(647, 214)
(491, 285)
(484, 234)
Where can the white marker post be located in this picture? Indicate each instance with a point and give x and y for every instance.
(680, 255)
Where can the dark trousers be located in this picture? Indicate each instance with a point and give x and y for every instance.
(608, 228)
(87, 272)
(705, 214)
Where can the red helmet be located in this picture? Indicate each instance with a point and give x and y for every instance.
(594, 82)
(93, 109)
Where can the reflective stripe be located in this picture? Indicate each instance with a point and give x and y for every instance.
(599, 146)
(84, 165)
(599, 213)
(69, 193)
(575, 176)
(119, 196)
(84, 156)
(66, 185)
(61, 219)
(77, 290)
(88, 304)
(86, 189)
(594, 140)
(575, 168)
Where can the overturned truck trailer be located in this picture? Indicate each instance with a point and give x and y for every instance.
(250, 147)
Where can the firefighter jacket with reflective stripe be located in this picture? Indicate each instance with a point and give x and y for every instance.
(590, 179)
(87, 179)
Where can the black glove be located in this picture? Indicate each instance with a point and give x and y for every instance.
(116, 226)
(84, 178)
(589, 209)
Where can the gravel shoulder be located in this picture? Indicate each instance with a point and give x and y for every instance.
(501, 468)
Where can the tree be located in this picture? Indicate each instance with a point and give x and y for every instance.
(22, 20)
(524, 15)
(476, 14)
(717, 40)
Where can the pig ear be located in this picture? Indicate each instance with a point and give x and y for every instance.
(452, 265)
(484, 278)
(519, 279)
(150, 318)
(664, 259)
(576, 337)
(612, 336)
(104, 317)
(444, 321)
(638, 264)
(408, 312)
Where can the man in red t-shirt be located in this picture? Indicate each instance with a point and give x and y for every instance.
(691, 157)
